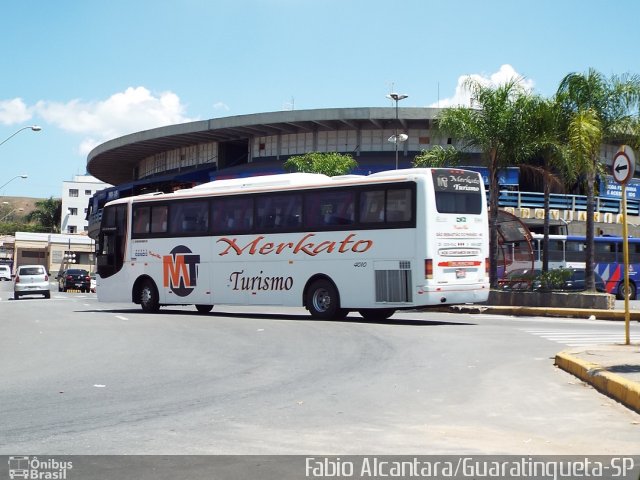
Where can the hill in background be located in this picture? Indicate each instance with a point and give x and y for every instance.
(26, 203)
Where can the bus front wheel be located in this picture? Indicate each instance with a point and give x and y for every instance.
(149, 300)
(632, 291)
(204, 308)
(323, 302)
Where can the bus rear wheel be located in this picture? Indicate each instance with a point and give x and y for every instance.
(323, 302)
(374, 314)
(204, 308)
(632, 291)
(149, 300)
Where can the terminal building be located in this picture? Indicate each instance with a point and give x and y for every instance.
(184, 155)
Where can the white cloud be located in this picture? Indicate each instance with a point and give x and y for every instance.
(462, 97)
(221, 106)
(133, 110)
(13, 111)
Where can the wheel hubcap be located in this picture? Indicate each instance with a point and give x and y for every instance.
(146, 296)
(321, 300)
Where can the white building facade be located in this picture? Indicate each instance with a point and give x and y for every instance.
(76, 194)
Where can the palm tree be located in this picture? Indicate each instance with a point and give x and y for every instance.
(597, 109)
(498, 128)
(585, 138)
(556, 171)
(47, 215)
(437, 157)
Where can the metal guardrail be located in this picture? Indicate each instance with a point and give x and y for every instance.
(516, 199)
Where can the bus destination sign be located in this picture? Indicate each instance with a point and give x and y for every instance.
(446, 180)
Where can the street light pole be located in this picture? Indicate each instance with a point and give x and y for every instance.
(397, 97)
(34, 128)
(7, 183)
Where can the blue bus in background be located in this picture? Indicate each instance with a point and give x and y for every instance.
(568, 251)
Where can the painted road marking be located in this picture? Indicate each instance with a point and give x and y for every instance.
(583, 338)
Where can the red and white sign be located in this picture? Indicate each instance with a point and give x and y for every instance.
(623, 166)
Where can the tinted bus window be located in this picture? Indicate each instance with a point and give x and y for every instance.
(372, 206)
(159, 214)
(605, 252)
(189, 217)
(634, 252)
(278, 212)
(233, 214)
(141, 220)
(574, 251)
(556, 250)
(399, 205)
(325, 208)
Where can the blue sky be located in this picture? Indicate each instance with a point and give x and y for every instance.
(89, 71)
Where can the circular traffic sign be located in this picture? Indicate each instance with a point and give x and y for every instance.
(623, 165)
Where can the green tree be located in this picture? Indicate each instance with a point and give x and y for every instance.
(597, 110)
(437, 157)
(47, 215)
(330, 163)
(498, 129)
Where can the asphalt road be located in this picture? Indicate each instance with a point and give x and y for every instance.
(80, 377)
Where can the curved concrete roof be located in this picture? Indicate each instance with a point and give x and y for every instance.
(114, 161)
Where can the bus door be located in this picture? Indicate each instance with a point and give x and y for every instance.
(112, 240)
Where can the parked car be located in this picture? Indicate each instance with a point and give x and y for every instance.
(74, 279)
(576, 280)
(531, 279)
(5, 272)
(31, 280)
(93, 283)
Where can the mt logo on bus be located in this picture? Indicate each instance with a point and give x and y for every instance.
(180, 270)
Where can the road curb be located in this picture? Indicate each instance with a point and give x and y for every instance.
(611, 384)
(561, 312)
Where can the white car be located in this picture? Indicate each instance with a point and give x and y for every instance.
(5, 272)
(31, 280)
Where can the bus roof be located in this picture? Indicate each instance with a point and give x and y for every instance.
(284, 180)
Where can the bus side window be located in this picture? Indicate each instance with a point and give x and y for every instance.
(233, 214)
(574, 251)
(278, 212)
(189, 217)
(634, 252)
(399, 205)
(141, 220)
(555, 250)
(372, 206)
(159, 219)
(605, 252)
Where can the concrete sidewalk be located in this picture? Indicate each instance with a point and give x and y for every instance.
(611, 369)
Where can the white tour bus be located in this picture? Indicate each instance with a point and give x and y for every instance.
(372, 244)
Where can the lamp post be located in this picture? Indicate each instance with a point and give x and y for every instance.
(396, 97)
(34, 128)
(7, 183)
